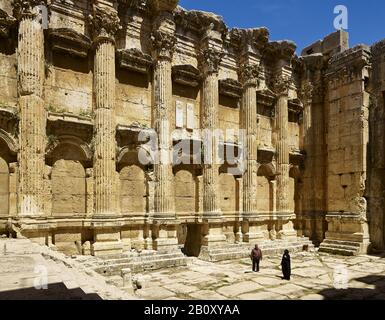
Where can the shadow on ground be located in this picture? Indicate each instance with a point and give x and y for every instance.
(376, 293)
(56, 291)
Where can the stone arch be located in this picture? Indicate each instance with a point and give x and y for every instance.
(265, 188)
(185, 191)
(11, 143)
(69, 148)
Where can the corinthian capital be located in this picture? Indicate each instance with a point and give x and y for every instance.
(210, 59)
(23, 8)
(248, 74)
(163, 44)
(105, 22)
(307, 92)
(281, 85)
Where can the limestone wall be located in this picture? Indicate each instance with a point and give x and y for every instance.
(112, 70)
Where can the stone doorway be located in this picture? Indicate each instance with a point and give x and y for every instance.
(192, 245)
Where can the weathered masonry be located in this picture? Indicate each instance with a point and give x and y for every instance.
(82, 80)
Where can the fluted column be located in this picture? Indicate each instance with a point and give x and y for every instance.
(210, 99)
(285, 223)
(32, 128)
(212, 215)
(249, 125)
(164, 230)
(106, 23)
(282, 149)
(164, 198)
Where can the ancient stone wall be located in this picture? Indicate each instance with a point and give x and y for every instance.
(105, 76)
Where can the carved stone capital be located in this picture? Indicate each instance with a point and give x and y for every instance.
(250, 39)
(163, 44)
(105, 23)
(22, 8)
(210, 59)
(306, 92)
(281, 85)
(248, 74)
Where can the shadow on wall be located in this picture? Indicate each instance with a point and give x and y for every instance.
(376, 293)
(56, 291)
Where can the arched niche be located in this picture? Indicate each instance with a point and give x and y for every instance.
(227, 191)
(133, 186)
(265, 191)
(68, 178)
(186, 192)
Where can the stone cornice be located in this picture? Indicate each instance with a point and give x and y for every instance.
(210, 59)
(199, 21)
(186, 75)
(349, 64)
(231, 88)
(135, 60)
(70, 41)
(162, 5)
(254, 40)
(105, 23)
(281, 50)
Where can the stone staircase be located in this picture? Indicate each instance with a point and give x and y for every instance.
(344, 248)
(66, 277)
(242, 250)
(137, 262)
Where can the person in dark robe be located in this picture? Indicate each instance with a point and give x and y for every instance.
(256, 257)
(286, 265)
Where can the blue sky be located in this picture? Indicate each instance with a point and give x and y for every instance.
(303, 21)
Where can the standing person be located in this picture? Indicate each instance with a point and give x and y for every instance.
(256, 256)
(286, 265)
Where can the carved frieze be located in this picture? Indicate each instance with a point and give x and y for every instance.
(69, 41)
(134, 60)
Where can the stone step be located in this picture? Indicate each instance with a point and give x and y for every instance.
(345, 248)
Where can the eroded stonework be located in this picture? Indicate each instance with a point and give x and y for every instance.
(77, 174)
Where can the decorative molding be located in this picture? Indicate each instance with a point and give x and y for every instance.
(134, 60)
(10, 141)
(231, 88)
(186, 75)
(281, 84)
(69, 41)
